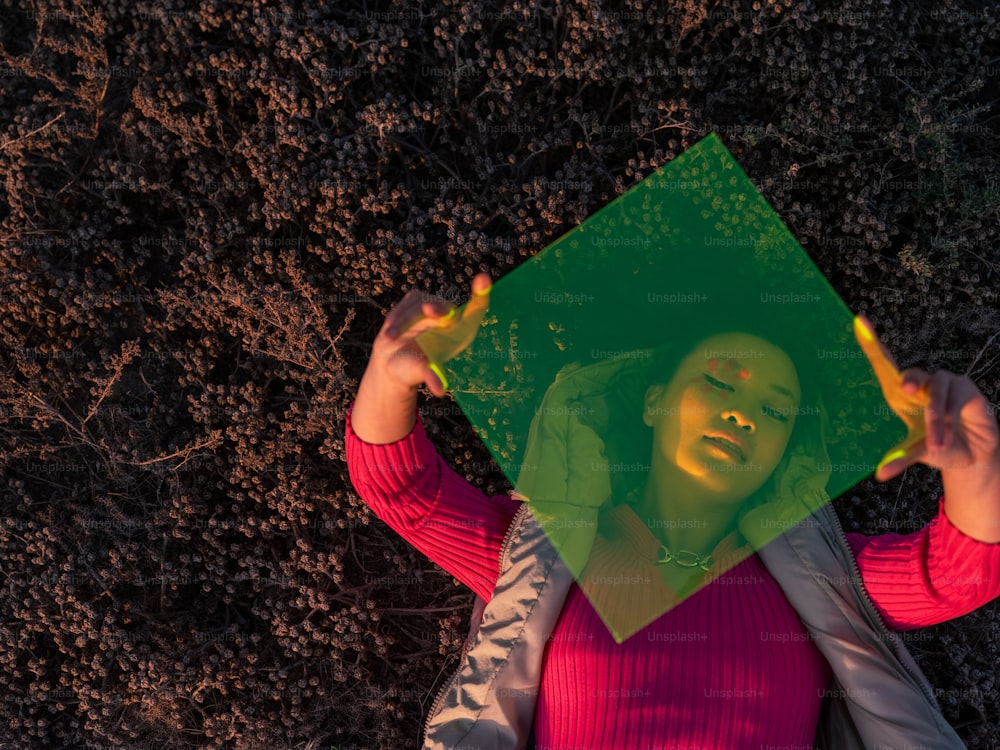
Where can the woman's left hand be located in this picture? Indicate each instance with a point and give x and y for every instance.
(949, 423)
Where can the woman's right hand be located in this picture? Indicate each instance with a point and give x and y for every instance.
(385, 408)
(401, 361)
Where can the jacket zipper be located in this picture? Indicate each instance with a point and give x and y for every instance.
(443, 691)
(439, 699)
(871, 604)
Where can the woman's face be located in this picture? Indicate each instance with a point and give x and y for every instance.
(725, 418)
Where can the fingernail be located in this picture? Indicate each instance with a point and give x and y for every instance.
(889, 458)
(437, 371)
(451, 314)
(484, 292)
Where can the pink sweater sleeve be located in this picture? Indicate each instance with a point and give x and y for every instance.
(930, 576)
(410, 487)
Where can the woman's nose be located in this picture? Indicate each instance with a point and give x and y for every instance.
(741, 421)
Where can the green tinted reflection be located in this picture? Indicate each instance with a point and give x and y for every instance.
(665, 368)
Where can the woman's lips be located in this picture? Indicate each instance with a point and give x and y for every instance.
(728, 445)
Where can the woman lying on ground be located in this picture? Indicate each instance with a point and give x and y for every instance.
(790, 645)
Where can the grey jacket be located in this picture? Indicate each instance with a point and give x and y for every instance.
(879, 697)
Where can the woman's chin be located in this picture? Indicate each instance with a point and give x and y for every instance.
(725, 481)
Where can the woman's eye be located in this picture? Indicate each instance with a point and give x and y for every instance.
(775, 414)
(720, 384)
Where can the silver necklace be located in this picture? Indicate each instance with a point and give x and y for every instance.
(684, 558)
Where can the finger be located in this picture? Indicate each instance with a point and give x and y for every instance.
(413, 309)
(435, 380)
(439, 310)
(977, 413)
(481, 284)
(911, 399)
(937, 408)
(882, 361)
(398, 315)
(914, 382)
(957, 419)
(956, 403)
(442, 343)
(899, 460)
(480, 299)
(474, 309)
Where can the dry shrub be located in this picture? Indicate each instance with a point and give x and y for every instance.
(207, 211)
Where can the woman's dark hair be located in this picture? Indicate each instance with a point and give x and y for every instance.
(629, 442)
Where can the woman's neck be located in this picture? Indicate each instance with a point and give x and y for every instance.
(681, 517)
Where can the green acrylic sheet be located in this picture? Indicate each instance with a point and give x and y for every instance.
(556, 379)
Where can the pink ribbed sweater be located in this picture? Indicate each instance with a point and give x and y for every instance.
(731, 667)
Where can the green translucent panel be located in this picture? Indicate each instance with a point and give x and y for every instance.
(624, 379)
